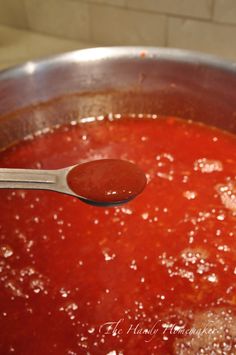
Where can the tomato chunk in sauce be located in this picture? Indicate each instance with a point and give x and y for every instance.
(154, 276)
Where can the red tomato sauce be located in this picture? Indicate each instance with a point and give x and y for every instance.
(155, 276)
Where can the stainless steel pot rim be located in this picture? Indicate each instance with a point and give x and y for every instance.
(125, 53)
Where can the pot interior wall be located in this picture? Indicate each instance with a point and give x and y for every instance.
(69, 87)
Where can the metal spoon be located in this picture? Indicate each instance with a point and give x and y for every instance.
(57, 180)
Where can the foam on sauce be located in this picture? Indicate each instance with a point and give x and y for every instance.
(134, 279)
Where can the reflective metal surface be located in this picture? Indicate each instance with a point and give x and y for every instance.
(119, 80)
(35, 179)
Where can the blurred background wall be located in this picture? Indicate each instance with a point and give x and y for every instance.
(35, 28)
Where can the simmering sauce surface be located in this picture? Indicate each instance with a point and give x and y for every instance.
(155, 276)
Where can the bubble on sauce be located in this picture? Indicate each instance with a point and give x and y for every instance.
(27, 271)
(203, 267)
(165, 166)
(166, 176)
(193, 256)
(37, 285)
(227, 194)
(223, 247)
(163, 158)
(38, 165)
(106, 212)
(60, 222)
(144, 138)
(142, 280)
(70, 309)
(221, 217)
(114, 352)
(108, 256)
(148, 177)
(71, 352)
(183, 273)
(14, 288)
(83, 341)
(64, 293)
(22, 194)
(133, 265)
(6, 251)
(145, 216)
(126, 210)
(190, 195)
(165, 260)
(212, 278)
(91, 330)
(29, 244)
(205, 165)
(185, 179)
(211, 332)
(190, 263)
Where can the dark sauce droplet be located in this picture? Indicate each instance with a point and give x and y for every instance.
(107, 181)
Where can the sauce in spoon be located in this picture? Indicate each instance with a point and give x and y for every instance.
(107, 181)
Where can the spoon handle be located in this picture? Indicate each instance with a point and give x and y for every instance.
(28, 179)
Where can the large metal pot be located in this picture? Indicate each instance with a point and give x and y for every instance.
(119, 80)
(93, 82)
